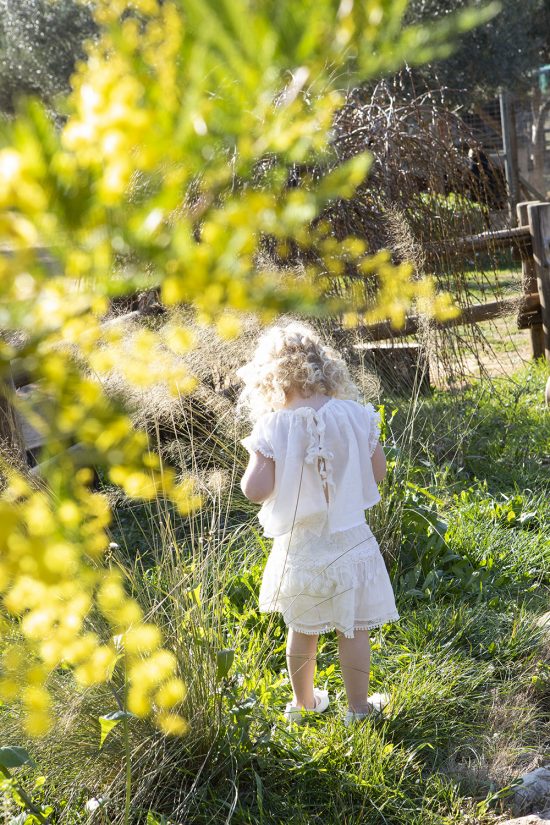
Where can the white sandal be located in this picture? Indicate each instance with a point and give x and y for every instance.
(377, 702)
(295, 713)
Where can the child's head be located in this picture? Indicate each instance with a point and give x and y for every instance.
(292, 359)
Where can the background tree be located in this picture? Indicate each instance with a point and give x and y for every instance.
(505, 52)
(40, 43)
(502, 52)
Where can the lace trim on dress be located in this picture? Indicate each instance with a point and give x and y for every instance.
(314, 578)
(265, 452)
(309, 631)
(255, 444)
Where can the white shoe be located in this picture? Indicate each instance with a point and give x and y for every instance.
(377, 702)
(295, 713)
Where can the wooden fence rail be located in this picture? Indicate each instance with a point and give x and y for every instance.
(532, 239)
(518, 236)
(474, 314)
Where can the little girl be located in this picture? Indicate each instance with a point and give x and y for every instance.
(315, 461)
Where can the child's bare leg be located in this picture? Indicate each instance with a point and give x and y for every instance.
(301, 649)
(355, 665)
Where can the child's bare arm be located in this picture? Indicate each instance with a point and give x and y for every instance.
(378, 463)
(258, 480)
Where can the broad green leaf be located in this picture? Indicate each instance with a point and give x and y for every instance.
(224, 660)
(193, 597)
(110, 721)
(14, 756)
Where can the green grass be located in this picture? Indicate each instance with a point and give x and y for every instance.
(465, 527)
(491, 284)
(504, 347)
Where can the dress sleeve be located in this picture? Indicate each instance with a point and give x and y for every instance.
(373, 418)
(259, 439)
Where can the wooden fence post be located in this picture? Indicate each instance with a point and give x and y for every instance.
(510, 147)
(529, 281)
(539, 225)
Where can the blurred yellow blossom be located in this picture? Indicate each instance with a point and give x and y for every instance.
(169, 172)
(228, 326)
(170, 694)
(143, 638)
(172, 724)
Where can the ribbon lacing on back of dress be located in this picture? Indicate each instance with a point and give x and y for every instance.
(316, 450)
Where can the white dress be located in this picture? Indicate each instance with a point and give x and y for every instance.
(325, 570)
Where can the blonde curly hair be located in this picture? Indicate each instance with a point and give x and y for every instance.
(292, 358)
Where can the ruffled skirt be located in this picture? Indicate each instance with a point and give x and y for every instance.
(333, 581)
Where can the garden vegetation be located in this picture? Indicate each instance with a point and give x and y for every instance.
(169, 171)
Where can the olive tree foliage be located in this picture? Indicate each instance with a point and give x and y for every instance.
(40, 43)
(504, 52)
(169, 169)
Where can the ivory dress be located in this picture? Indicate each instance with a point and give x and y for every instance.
(325, 570)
